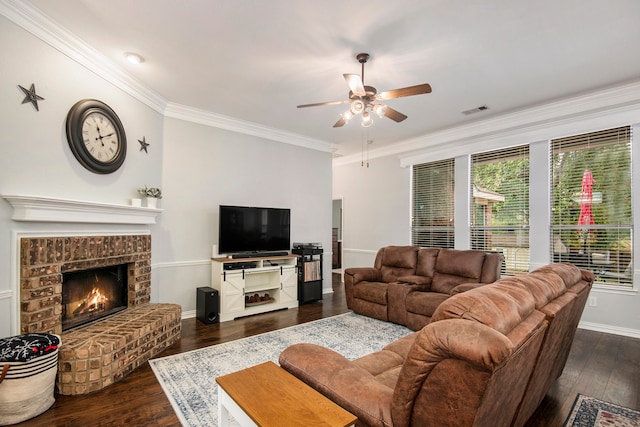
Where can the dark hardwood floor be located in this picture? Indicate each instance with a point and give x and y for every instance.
(600, 365)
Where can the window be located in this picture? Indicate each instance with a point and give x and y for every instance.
(591, 218)
(433, 196)
(500, 205)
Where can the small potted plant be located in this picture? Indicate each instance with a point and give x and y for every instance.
(151, 194)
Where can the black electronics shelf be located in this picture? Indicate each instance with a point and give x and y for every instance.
(309, 272)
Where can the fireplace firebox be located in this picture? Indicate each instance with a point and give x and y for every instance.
(89, 295)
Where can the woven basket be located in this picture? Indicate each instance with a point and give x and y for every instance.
(27, 388)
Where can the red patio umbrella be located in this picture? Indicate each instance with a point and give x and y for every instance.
(586, 201)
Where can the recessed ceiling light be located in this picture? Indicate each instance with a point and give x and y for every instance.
(134, 58)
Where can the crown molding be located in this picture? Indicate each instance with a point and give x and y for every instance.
(50, 32)
(35, 22)
(207, 118)
(536, 121)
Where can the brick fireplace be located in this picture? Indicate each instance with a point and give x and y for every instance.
(43, 261)
(95, 355)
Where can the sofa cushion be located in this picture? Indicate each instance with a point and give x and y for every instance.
(567, 271)
(454, 267)
(460, 263)
(500, 306)
(424, 303)
(427, 262)
(396, 261)
(371, 291)
(400, 256)
(543, 286)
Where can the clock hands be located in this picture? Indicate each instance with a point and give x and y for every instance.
(101, 137)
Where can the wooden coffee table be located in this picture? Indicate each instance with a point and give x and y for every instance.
(267, 395)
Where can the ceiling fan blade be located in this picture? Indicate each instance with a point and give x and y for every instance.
(355, 84)
(405, 91)
(318, 104)
(394, 114)
(341, 122)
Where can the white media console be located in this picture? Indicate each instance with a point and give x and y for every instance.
(254, 285)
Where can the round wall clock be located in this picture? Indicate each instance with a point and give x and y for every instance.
(96, 136)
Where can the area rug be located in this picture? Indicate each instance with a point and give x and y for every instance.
(591, 412)
(188, 379)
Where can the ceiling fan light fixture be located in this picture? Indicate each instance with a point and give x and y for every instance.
(366, 120)
(380, 110)
(347, 115)
(357, 106)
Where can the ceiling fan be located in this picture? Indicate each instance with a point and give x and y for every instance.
(365, 99)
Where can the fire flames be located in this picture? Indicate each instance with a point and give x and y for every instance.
(94, 301)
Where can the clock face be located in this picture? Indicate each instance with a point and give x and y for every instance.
(96, 136)
(100, 137)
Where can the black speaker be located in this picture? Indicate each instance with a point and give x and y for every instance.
(207, 305)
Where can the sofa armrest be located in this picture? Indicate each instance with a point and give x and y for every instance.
(463, 287)
(588, 276)
(422, 283)
(362, 274)
(353, 276)
(348, 385)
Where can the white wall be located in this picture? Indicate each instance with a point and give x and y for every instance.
(198, 167)
(205, 167)
(377, 206)
(36, 158)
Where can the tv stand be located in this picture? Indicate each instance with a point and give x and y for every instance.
(254, 284)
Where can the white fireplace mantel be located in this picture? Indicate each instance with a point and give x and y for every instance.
(48, 209)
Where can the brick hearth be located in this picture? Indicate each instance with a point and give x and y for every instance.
(95, 355)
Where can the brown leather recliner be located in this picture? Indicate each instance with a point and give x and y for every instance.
(407, 283)
(454, 371)
(561, 292)
(470, 367)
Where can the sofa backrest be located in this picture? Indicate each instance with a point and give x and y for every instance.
(562, 309)
(454, 267)
(567, 292)
(492, 267)
(481, 344)
(427, 258)
(451, 267)
(396, 261)
(499, 306)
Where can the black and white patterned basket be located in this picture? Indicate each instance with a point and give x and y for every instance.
(29, 366)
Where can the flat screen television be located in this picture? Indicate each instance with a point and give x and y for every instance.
(248, 230)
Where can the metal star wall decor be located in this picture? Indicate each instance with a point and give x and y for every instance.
(31, 96)
(143, 145)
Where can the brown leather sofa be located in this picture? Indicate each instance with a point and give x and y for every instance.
(407, 283)
(487, 357)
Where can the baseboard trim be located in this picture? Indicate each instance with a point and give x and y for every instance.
(608, 329)
(190, 314)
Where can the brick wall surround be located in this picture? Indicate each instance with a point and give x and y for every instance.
(95, 355)
(44, 259)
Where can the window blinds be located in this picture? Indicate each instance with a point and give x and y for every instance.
(433, 204)
(499, 205)
(591, 217)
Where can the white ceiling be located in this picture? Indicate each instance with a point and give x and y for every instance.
(256, 60)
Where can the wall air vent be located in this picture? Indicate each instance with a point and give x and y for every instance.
(475, 110)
